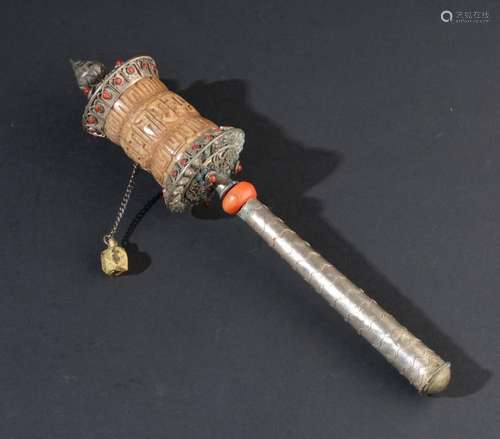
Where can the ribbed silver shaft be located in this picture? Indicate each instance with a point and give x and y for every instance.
(412, 358)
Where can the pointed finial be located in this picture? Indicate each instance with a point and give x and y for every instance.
(88, 74)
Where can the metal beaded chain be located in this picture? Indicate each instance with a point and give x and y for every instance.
(123, 205)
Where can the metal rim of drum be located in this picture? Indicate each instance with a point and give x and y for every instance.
(129, 73)
(217, 151)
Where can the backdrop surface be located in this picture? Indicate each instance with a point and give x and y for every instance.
(371, 128)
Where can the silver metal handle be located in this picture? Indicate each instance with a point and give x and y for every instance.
(413, 359)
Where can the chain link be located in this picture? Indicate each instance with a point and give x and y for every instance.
(123, 205)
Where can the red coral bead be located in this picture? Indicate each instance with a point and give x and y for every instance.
(238, 196)
(106, 94)
(131, 69)
(99, 108)
(117, 80)
(86, 90)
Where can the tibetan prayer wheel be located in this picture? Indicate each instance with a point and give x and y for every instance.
(192, 158)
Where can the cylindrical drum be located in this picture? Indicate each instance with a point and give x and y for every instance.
(161, 132)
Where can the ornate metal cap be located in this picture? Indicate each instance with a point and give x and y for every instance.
(88, 73)
(103, 90)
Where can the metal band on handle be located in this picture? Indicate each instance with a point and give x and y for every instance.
(423, 368)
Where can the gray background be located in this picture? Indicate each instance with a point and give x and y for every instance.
(372, 128)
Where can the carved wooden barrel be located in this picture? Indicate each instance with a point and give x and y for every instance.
(161, 132)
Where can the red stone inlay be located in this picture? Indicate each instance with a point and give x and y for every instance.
(86, 90)
(99, 108)
(174, 173)
(184, 162)
(130, 69)
(119, 62)
(117, 80)
(106, 94)
(91, 120)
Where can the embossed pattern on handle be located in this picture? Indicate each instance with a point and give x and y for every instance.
(423, 368)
